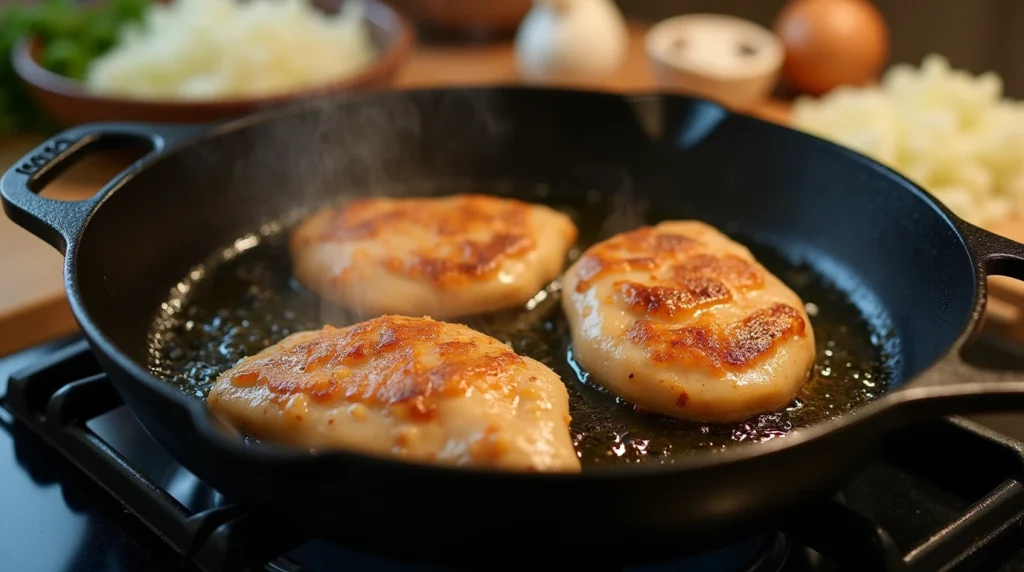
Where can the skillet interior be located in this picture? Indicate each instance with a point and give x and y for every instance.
(674, 157)
(237, 305)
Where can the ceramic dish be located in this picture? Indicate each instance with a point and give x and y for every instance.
(730, 60)
(67, 102)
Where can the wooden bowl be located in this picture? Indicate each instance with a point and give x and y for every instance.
(68, 102)
(467, 18)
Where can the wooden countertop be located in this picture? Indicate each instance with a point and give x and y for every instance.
(32, 303)
(495, 64)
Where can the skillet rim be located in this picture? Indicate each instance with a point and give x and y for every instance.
(205, 423)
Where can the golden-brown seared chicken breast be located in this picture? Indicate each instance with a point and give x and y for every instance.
(445, 257)
(413, 388)
(679, 319)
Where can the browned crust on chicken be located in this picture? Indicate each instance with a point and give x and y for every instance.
(406, 364)
(736, 346)
(642, 249)
(668, 301)
(471, 235)
(685, 278)
(728, 270)
(683, 258)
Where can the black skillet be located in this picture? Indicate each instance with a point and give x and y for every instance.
(906, 260)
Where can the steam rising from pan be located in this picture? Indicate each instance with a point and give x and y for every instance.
(460, 142)
(382, 146)
(383, 150)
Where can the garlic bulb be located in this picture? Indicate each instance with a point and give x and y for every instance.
(571, 38)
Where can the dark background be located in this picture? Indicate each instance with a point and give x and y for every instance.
(977, 35)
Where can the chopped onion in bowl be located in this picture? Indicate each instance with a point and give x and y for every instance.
(227, 49)
(951, 132)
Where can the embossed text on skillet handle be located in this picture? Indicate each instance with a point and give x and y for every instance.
(59, 222)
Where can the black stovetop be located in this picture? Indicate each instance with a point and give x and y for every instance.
(84, 487)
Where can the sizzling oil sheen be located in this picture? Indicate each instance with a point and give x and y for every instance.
(237, 307)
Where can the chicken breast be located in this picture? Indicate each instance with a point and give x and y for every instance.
(679, 319)
(445, 257)
(412, 388)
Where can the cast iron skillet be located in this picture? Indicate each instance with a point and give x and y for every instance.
(200, 190)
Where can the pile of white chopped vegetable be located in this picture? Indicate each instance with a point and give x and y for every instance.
(951, 132)
(224, 49)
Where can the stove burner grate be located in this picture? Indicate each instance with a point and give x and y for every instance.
(66, 400)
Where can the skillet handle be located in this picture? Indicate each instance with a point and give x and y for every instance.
(952, 386)
(59, 222)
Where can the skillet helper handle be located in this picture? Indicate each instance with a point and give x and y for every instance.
(952, 386)
(59, 222)
(996, 255)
